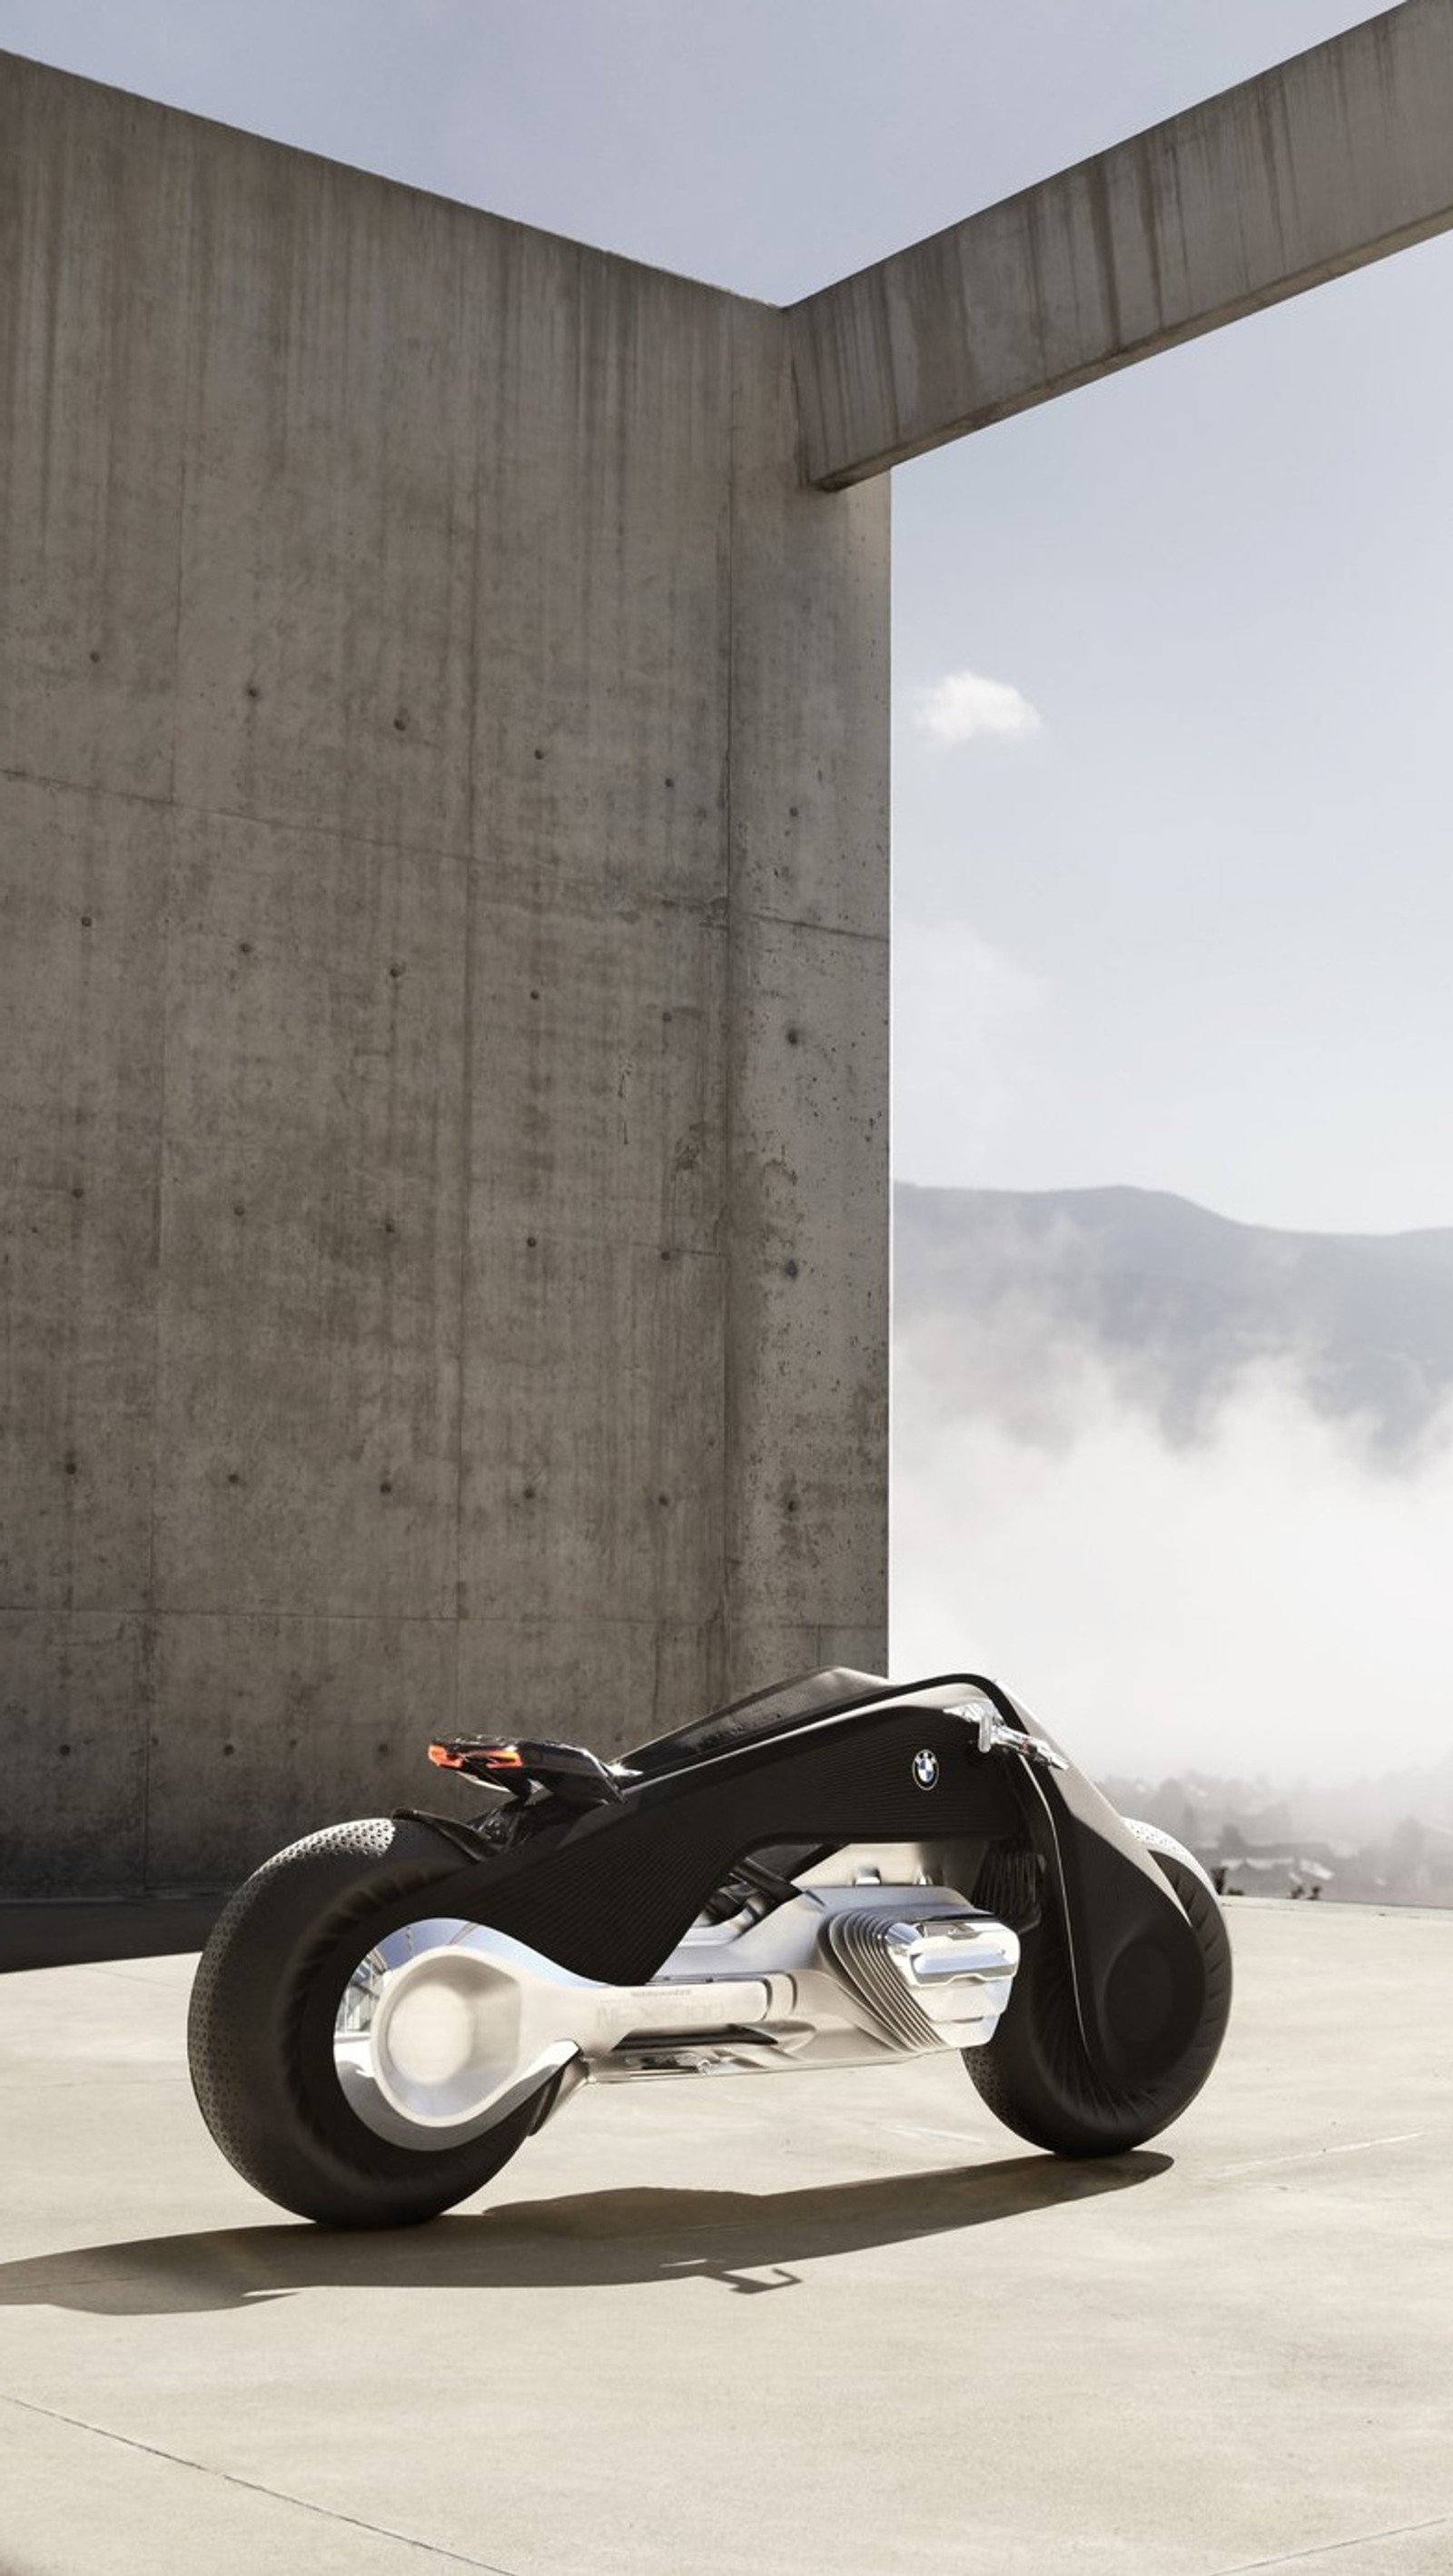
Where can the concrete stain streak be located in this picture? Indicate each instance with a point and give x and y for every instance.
(256, 2486)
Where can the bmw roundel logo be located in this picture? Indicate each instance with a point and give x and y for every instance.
(925, 1769)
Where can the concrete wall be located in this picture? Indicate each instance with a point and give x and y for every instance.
(443, 996)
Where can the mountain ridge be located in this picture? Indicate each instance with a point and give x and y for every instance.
(1135, 1192)
(1177, 1302)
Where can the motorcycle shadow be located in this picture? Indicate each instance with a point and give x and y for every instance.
(580, 2240)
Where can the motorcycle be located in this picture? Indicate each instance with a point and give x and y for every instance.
(839, 1871)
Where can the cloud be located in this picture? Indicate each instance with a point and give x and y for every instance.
(950, 966)
(963, 705)
(969, 1026)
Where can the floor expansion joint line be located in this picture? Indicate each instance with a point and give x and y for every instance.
(1316, 2155)
(255, 2486)
(1330, 2548)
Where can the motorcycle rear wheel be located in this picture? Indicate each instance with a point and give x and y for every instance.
(260, 2033)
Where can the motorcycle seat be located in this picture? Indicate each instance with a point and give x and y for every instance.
(777, 1711)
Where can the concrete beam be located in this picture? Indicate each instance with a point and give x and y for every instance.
(1327, 162)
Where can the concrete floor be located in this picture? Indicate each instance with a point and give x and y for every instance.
(840, 2324)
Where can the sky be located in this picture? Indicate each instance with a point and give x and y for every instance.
(1173, 658)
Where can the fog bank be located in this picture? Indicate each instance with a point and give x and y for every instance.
(1269, 1597)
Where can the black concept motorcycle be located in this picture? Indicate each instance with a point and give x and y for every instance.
(839, 1871)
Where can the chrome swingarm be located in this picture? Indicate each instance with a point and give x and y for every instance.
(447, 2026)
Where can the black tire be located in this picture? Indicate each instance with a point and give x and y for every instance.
(1034, 2074)
(260, 2032)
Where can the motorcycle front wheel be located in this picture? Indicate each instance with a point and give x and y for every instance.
(1034, 2074)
